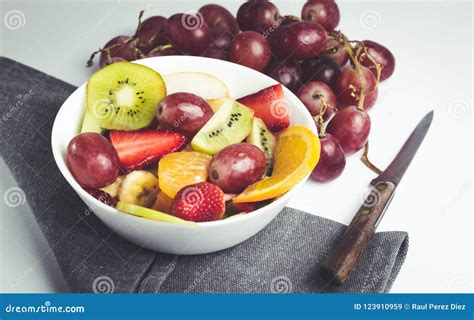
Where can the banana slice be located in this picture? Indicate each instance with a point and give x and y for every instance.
(139, 188)
(114, 188)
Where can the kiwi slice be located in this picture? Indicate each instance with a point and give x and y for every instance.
(125, 96)
(261, 137)
(149, 213)
(230, 124)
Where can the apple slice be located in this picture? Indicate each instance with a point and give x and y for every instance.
(201, 84)
(149, 213)
(90, 123)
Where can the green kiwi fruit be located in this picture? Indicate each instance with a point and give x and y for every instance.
(230, 124)
(261, 137)
(124, 96)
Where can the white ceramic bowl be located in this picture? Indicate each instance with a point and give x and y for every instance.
(166, 237)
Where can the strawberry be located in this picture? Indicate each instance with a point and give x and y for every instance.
(199, 202)
(137, 149)
(270, 105)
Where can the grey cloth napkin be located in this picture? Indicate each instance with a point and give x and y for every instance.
(284, 257)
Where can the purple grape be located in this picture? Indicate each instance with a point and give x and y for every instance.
(236, 167)
(151, 33)
(219, 20)
(288, 74)
(298, 41)
(321, 69)
(216, 53)
(351, 127)
(188, 33)
(223, 41)
(118, 47)
(184, 112)
(287, 20)
(92, 160)
(324, 12)
(312, 95)
(103, 197)
(382, 56)
(252, 50)
(332, 160)
(166, 50)
(112, 60)
(334, 51)
(259, 16)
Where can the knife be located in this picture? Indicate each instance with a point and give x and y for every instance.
(344, 256)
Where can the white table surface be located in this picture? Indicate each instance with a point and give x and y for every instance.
(432, 42)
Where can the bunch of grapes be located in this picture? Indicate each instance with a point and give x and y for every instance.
(336, 78)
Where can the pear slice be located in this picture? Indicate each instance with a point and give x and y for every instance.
(201, 84)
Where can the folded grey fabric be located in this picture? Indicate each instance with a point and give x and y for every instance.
(285, 257)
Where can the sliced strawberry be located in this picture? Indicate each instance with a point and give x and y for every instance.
(270, 105)
(199, 202)
(137, 149)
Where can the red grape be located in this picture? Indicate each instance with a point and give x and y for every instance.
(219, 20)
(298, 41)
(334, 51)
(166, 50)
(216, 53)
(287, 73)
(287, 20)
(312, 95)
(258, 16)
(332, 160)
(92, 160)
(112, 60)
(324, 12)
(236, 167)
(351, 127)
(250, 49)
(118, 47)
(184, 112)
(381, 55)
(321, 69)
(223, 41)
(151, 33)
(349, 86)
(188, 33)
(103, 197)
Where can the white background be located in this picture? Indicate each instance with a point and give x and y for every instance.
(432, 42)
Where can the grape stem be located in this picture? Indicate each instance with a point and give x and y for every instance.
(90, 62)
(367, 162)
(348, 46)
(353, 56)
(320, 117)
(378, 67)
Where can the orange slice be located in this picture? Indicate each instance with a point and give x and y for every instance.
(296, 154)
(180, 169)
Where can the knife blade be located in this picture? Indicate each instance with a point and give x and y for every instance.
(344, 256)
(395, 171)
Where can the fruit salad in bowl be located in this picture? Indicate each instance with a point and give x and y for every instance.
(184, 155)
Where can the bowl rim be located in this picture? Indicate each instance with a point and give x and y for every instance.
(62, 165)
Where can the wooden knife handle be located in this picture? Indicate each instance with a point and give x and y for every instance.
(343, 257)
